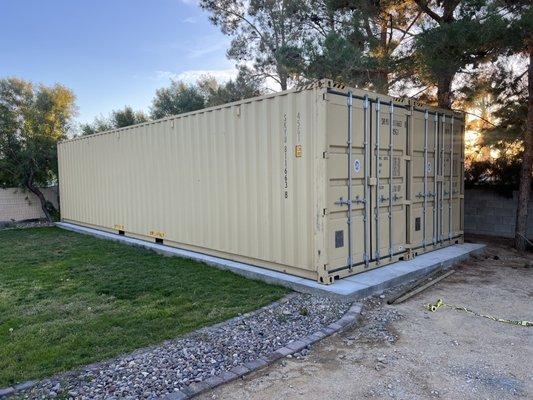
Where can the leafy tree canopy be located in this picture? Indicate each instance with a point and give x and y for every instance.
(178, 98)
(33, 118)
(118, 119)
(244, 86)
(206, 92)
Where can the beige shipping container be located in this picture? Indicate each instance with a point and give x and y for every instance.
(267, 181)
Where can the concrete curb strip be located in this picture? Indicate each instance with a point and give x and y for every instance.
(349, 318)
(194, 389)
(348, 289)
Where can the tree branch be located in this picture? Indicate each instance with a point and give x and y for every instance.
(477, 116)
(423, 4)
(243, 18)
(406, 31)
(368, 29)
(391, 31)
(420, 91)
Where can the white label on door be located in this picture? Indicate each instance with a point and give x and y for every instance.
(357, 166)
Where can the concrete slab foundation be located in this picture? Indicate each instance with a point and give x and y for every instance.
(347, 289)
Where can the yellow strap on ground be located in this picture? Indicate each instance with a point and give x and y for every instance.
(440, 303)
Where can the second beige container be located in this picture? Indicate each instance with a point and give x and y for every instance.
(269, 180)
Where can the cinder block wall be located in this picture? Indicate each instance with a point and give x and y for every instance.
(17, 204)
(489, 213)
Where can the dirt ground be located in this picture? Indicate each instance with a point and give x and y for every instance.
(406, 352)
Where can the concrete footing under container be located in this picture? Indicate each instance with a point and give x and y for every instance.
(347, 289)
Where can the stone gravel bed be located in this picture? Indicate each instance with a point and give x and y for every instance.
(25, 224)
(173, 365)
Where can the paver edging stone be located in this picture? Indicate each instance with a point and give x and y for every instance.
(349, 318)
(7, 391)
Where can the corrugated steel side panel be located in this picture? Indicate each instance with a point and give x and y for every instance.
(225, 181)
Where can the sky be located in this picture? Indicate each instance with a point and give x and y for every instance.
(111, 53)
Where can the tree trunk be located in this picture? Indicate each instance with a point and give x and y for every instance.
(444, 91)
(382, 75)
(525, 174)
(37, 192)
(444, 82)
(283, 79)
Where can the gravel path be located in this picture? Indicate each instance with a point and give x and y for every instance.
(159, 370)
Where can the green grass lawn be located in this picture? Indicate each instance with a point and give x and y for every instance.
(68, 299)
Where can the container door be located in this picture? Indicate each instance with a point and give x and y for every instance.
(388, 180)
(443, 201)
(458, 181)
(425, 160)
(367, 144)
(446, 180)
(436, 179)
(452, 177)
(348, 175)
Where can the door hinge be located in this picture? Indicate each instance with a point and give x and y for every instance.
(325, 154)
